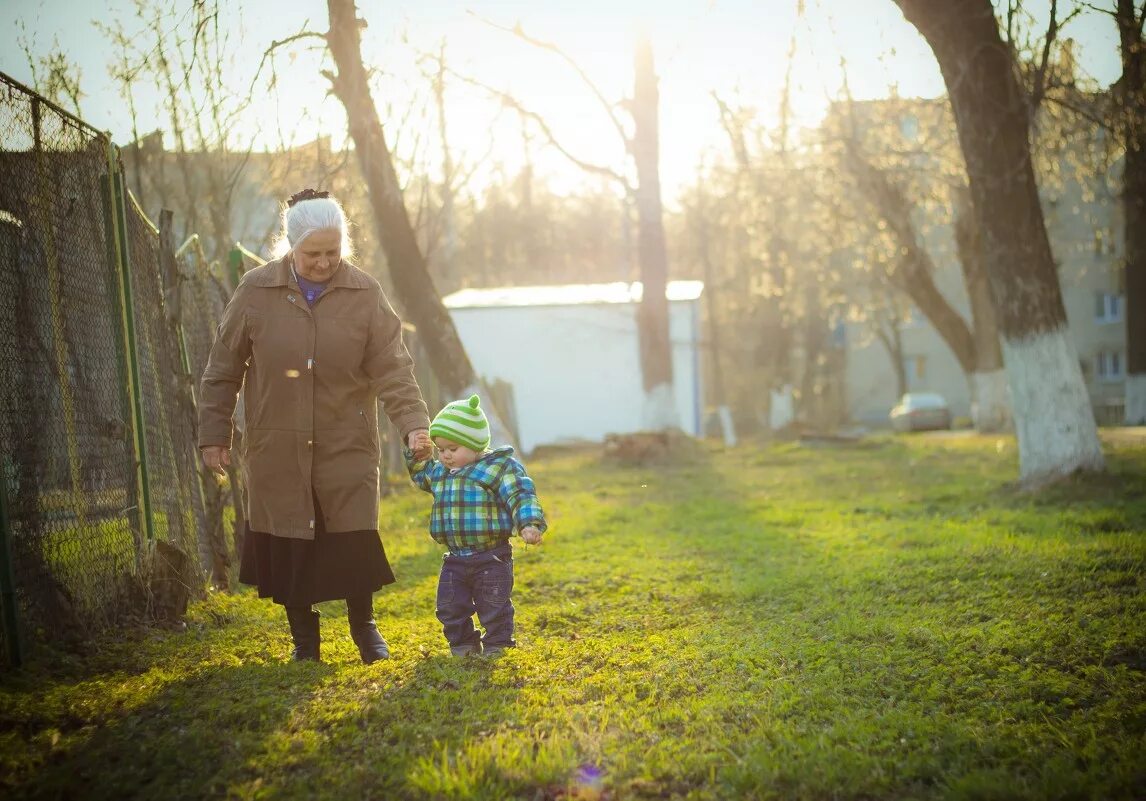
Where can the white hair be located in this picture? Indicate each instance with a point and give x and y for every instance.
(307, 216)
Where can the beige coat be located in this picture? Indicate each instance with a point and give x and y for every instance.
(312, 377)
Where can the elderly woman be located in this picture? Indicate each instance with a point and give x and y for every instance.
(313, 343)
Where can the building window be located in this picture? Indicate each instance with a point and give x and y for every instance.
(909, 127)
(1108, 365)
(1107, 307)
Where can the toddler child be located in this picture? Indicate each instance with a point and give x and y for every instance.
(480, 497)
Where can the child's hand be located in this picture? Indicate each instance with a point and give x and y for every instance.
(531, 535)
(421, 445)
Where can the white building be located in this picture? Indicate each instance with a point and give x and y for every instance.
(571, 355)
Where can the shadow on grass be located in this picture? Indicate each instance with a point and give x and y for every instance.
(433, 733)
(182, 743)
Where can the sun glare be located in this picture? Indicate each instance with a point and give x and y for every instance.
(735, 49)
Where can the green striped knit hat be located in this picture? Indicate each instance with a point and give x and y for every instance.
(461, 421)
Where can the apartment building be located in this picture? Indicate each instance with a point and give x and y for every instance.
(1083, 220)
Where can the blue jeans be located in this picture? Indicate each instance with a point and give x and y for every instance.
(481, 583)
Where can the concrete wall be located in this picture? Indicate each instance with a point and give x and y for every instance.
(575, 369)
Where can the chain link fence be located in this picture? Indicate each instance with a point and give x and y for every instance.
(100, 501)
(206, 287)
(106, 512)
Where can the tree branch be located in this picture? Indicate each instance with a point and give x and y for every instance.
(735, 131)
(1039, 89)
(1082, 112)
(514, 103)
(520, 33)
(275, 45)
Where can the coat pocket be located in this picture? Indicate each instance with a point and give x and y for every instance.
(370, 424)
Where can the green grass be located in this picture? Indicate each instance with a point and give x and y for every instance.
(892, 620)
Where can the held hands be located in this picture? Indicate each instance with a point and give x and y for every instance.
(216, 458)
(531, 535)
(420, 444)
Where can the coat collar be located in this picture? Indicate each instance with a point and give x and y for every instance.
(278, 273)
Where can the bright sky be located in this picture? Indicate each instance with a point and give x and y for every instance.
(735, 47)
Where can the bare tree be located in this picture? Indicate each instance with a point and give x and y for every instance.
(1053, 416)
(643, 145)
(54, 75)
(1114, 119)
(412, 283)
(1131, 95)
(701, 234)
(976, 347)
(407, 266)
(993, 407)
(184, 53)
(653, 317)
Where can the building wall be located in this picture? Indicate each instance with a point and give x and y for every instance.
(871, 384)
(1083, 221)
(1088, 268)
(575, 370)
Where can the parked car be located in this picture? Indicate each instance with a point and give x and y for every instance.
(921, 411)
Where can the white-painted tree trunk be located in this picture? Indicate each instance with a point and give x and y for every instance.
(659, 413)
(1054, 421)
(727, 429)
(782, 409)
(992, 409)
(1136, 400)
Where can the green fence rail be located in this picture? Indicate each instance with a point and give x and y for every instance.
(98, 467)
(105, 327)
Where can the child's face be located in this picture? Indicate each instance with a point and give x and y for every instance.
(454, 455)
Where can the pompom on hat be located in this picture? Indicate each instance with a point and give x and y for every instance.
(461, 421)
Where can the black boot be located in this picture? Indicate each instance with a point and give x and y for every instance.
(371, 645)
(304, 631)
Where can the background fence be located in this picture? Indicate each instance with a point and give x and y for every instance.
(105, 326)
(100, 502)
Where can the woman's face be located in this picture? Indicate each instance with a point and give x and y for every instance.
(318, 256)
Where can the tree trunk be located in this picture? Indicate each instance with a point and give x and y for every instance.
(892, 340)
(992, 408)
(447, 268)
(1054, 420)
(652, 316)
(719, 396)
(413, 286)
(1133, 108)
(914, 268)
(913, 274)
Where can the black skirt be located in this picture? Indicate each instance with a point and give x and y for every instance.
(330, 567)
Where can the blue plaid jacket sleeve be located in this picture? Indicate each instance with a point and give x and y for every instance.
(516, 492)
(422, 473)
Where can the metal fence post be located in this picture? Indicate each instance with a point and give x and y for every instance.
(235, 262)
(8, 580)
(135, 389)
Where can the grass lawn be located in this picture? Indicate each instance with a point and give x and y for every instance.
(889, 620)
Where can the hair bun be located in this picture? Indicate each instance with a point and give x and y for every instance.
(306, 194)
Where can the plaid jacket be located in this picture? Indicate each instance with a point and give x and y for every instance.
(478, 506)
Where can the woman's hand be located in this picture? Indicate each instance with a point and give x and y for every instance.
(419, 442)
(216, 458)
(531, 535)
